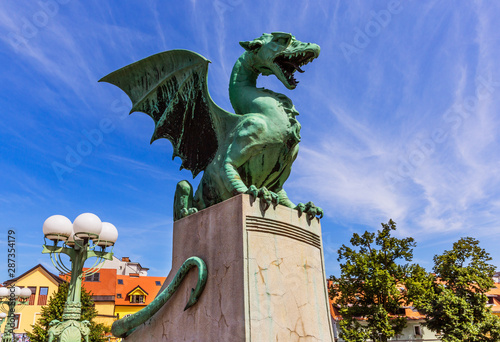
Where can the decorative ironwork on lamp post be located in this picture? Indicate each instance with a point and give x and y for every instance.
(10, 298)
(80, 241)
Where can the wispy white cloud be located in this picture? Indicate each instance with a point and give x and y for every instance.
(360, 120)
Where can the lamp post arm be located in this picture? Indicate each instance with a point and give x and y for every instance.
(98, 254)
(56, 249)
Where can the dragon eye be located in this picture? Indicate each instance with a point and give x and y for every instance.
(282, 41)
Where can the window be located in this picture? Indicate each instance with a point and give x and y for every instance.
(93, 277)
(120, 281)
(31, 300)
(157, 283)
(137, 299)
(17, 318)
(118, 295)
(418, 331)
(490, 300)
(42, 296)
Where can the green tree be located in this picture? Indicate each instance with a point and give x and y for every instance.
(54, 310)
(456, 305)
(372, 287)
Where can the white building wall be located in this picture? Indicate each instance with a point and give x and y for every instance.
(409, 333)
(125, 267)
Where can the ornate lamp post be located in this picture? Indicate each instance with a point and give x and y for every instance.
(10, 298)
(80, 241)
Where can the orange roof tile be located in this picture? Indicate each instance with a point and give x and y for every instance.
(410, 312)
(147, 284)
(104, 287)
(413, 314)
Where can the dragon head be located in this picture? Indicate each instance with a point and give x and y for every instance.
(280, 54)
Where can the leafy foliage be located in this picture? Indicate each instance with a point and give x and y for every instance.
(54, 310)
(456, 304)
(372, 287)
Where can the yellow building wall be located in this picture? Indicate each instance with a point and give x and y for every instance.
(105, 313)
(123, 310)
(30, 313)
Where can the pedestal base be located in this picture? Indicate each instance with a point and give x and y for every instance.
(266, 278)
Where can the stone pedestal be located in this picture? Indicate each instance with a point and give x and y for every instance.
(266, 278)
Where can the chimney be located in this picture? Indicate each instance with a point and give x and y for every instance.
(127, 259)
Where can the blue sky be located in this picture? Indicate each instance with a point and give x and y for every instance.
(399, 117)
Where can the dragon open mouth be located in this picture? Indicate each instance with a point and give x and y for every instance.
(289, 63)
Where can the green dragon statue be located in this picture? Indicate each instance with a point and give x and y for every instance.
(251, 151)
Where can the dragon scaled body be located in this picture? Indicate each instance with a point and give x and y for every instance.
(249, 151)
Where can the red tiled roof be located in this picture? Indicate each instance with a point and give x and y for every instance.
(409, 312)
(104, 287)
(415, 315)
(147, 284)
(108, 286)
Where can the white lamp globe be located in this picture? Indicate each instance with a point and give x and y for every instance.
(109, 235)
(57, 227)
(4, 292)
(25, 293)
(71, 240)
(17, 291)
(3, 315)
(87, 225)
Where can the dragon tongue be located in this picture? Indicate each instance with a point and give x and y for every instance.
(294, 65)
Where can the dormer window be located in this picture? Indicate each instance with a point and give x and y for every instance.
(137, 295)
(137, 299)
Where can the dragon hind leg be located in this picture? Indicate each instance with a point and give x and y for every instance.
(183, 200)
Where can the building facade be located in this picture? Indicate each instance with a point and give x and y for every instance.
(414, 330)
(42, 284)
(119, 289)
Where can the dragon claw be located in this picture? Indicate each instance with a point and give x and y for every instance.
(186, 212)
(301, 207)
(320, 212)
(267, 197)
(310, 210)
(275, 198)
(253, 191)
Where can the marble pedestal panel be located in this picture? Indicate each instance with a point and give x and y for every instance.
(266, 278)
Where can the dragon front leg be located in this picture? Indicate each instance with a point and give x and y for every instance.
(236, 186)
(251, 139)
(183, 200)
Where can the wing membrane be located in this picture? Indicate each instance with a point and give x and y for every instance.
(171, 87)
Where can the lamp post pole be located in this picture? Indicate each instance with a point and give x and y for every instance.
(10, 298)
(80, 241)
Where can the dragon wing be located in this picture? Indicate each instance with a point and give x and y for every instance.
(172, 88)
